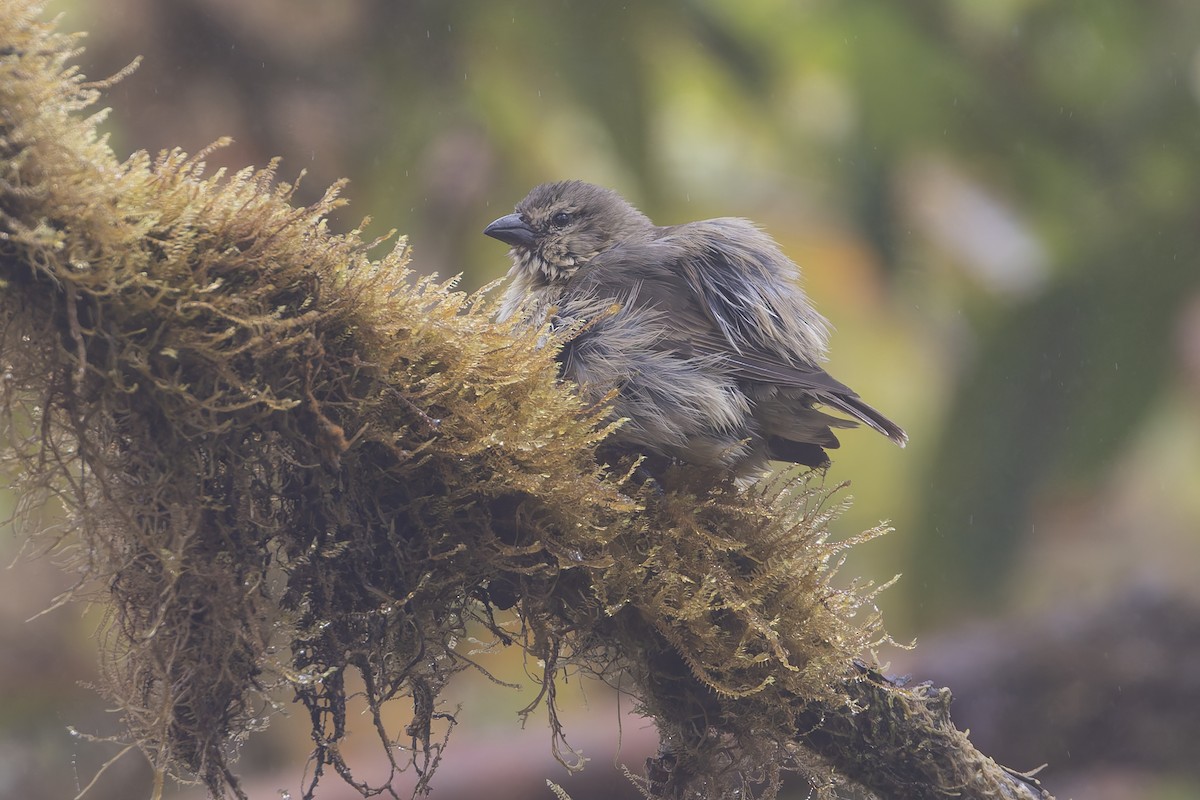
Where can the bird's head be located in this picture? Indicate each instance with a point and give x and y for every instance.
(559, 227)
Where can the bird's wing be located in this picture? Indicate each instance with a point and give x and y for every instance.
(730, 294)
(748, 289)
(747, 304)
(823, 386)
(708, 316)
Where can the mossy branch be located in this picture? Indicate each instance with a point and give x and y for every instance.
(288, 464)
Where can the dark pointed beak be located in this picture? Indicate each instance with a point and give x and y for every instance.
(511, 229)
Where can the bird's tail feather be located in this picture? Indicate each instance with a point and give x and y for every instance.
(855, 407)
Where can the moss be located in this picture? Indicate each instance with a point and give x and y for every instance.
(286, 460)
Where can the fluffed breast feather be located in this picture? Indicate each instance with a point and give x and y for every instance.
(679, 403)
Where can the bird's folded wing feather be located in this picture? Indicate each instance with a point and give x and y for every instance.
(742, 306)
(710, 319)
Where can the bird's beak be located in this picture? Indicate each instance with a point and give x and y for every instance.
(511, 229)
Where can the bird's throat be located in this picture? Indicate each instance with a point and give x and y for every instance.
(543, 272)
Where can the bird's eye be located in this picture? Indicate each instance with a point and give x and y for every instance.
(561, 219)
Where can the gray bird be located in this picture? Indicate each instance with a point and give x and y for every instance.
(700, 333)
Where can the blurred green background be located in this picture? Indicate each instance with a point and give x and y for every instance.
(996, 203)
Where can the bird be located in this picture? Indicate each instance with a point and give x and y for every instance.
(699, 335)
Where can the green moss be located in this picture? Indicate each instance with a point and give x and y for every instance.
(285, 460)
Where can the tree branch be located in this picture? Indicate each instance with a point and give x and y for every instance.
(285, 461)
